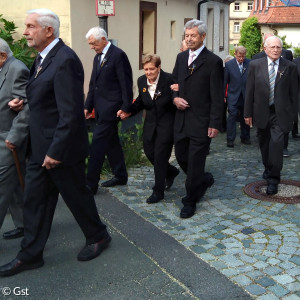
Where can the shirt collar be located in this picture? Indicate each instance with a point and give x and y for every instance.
(270, 61)
(198, 51)
(44, 53)
(106, 48)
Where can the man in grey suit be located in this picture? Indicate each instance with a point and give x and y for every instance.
(271, 105)
(13, 136)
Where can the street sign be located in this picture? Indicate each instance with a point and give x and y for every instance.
(105, 8)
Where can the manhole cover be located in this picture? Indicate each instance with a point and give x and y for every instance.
(288, 191)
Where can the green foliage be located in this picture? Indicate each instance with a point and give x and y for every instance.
(251, 36)
(285, 44)
(19, 48)
(296, 52)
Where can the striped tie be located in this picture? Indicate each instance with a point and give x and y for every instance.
(272, 82)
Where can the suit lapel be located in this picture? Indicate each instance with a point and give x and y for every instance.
(280, 72)
(106, 58)
(145, 91)
(5, 70)
(46, 62)
(265, 70)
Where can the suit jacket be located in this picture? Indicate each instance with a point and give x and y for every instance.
(287, 54)
(110, 89)
(160, 111)
(285, 94)
(13, 126)
(201, 85)
(236, 80)
(55, 97)
(297, 62)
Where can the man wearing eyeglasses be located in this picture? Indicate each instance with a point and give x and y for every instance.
(271, 106)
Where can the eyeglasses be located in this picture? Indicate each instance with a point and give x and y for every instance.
(274, 47)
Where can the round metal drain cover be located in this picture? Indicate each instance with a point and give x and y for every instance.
(288, 191)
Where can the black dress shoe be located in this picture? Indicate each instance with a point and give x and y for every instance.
(187, 211)
(91, 251)
(114, 181)
(170, 180)
(14, 234)
(92, 190)
(296, 136)
(230, 144)
(272, 189)
(207, 183)
(16, 266)
(246, 142)
(154, 198)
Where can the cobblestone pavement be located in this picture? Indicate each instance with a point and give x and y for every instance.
(254, 243)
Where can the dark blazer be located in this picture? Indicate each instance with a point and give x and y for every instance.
(235, 79)
(57, 124)
(287, 54)
(201, 85)
(285, 94)
(297, 62)
(160, 112)
(110, 89)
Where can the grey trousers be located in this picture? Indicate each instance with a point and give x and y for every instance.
(11, 194)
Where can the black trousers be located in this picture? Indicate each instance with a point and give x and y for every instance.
(191, 155)
(41, 193)
(271, 143)
(105, 142)
(158, 152)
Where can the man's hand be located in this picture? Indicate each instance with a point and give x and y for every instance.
(248, 121)
(175, 87)
(180, 103)
(9, 145)
(212, 132)
(16, 104)
(123, 114)
(50, 163)
(87, 114)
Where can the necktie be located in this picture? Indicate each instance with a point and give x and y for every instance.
(191, 58)
(38, 61)
(272, 82)
(241, 68)
(99, 62)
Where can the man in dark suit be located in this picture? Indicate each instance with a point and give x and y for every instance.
(287, 54)
(110, 90)
(155, 96)
(13, 137)
(198, 118)
(235, 77)
(271, 105)
(59, 145)
(297, 62)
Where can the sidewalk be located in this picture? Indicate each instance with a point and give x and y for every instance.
(254, 243)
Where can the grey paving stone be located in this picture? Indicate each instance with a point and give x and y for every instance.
(255, 289)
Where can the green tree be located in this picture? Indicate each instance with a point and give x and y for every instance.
(19, 47)
(251, 36)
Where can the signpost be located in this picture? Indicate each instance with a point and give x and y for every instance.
(103, 10)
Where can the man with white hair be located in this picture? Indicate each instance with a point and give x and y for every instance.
(59, 146)
(271, 105)
(110, 90)
(13, 137)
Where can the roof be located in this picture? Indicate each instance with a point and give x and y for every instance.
(279, 12)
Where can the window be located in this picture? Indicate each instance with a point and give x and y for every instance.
(269, 3)
(148, 27)
(236, 27)
(221, 30)
(236, 5)
(250, 6)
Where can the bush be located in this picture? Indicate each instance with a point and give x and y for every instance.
(19, 48)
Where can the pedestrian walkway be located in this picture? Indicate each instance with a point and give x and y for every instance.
(253, 243)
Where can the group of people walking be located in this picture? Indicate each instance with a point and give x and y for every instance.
(188, 115)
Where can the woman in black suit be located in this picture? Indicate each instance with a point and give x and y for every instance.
(155, 96)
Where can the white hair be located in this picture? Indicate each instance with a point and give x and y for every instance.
(266, 43)
(47, 18)
(4, 48)
(196, 23)
(97, 32)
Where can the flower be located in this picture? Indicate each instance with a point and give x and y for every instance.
(38, 71)
(244, 69)
(192, 68)
(103, 62)
(144, 90)
(281, 73)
